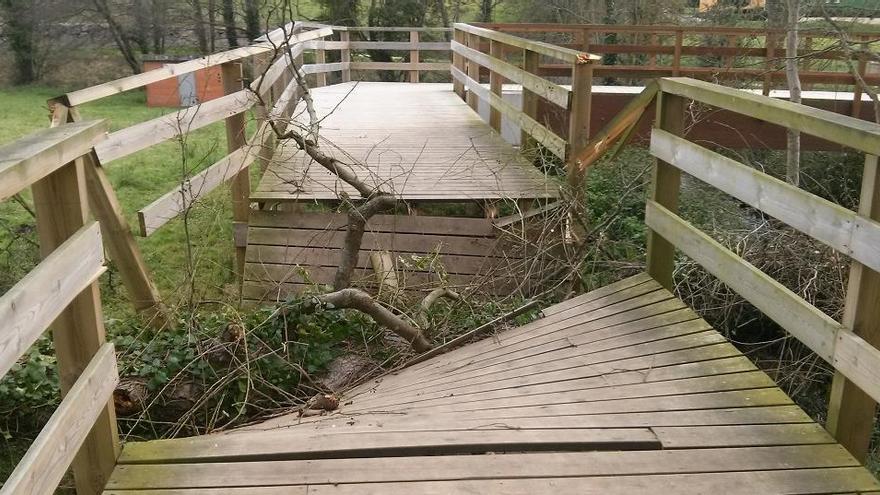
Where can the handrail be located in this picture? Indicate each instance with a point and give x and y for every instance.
(62, 291)
(553, 51)
(849, 346)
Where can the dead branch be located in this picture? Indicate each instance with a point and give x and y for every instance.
(429, 301)
(354, 235)
(361, 301)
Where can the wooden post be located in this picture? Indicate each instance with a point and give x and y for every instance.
(241, 183)
(531, 61)
(458, 63)
(473, 71)
(116, 232)
(414, 56)
(851, 411)
(579, 120)
(320, 58)
(730, 60)
(652, 58)
(769, 54)
(665, 185)
(585, 42)
(345, 37)
(496, 82)
(78, 333)
(676, 56)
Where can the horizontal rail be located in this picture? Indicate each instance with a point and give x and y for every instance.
(439, 66)
(840, 347)
(661, 29)
(31, 305)
(548, 90)
(848, 131)
(543, 135)
(374, 29)
(141, 136)
(47, 460)
(37, 155)
(553, 51)
(832, 224)
(173, 70)
(436, 46)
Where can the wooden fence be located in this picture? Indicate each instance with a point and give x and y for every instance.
(62, 291)
(469, 56)
(746, 56)
(849, 346)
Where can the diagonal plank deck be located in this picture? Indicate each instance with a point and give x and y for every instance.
(419, 141)
(621, 390)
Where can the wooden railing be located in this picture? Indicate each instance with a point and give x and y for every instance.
(469, 56)
(849, 346)
(349, 50)
(62, 291)
(748, 56)
(272, 56)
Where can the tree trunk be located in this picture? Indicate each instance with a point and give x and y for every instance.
(793, 148)
(20, 31)
(252, 19)
(486, 7)
(199, 26)
(119, 37)
(212, 25)
(229, 23)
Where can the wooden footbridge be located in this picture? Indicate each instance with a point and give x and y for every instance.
(623, 389)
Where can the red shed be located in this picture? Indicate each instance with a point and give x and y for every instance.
(185, 90)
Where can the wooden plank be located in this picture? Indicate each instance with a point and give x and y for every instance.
(665, 185)
(272, 446)
(403, 242)
(628, 117)
(49, 457)
(437, 66)
(800, 481)
(414, 55)
(496, 82)
(851, 412)
(36, 155)
(543, 135)
(168, 206)
(345, 56)
(685, 437)
(542, 87)
(510, 466)
(578, 123)
(848, 353)
(33, 303)
(468, 227)
(838, 227)
(236, 139)
(173, 70)
(473, 73)
(554, 51)
(141, 136)
(848, 131)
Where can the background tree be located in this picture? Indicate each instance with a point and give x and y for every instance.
(20, 28)
(229, 23)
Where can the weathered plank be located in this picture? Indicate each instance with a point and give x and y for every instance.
(529, 125)
(842, 229)
(546, 89)
(511, 466)
(554, 51)
(28, 308)
(49, 457)
(848, 131)
(36, 155)
(173, 70)
(839, 346)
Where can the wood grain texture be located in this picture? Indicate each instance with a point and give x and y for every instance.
(49, 457)
(592, 381)
(36, 155)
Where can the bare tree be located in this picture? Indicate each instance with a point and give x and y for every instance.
(229, 23)
(200, 26)
(120, 37)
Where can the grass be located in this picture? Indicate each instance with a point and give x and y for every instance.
(138, 180)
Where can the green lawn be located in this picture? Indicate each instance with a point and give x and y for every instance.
(138, 180)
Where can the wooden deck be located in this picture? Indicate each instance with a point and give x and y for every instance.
(621, 390)
(419, 141)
